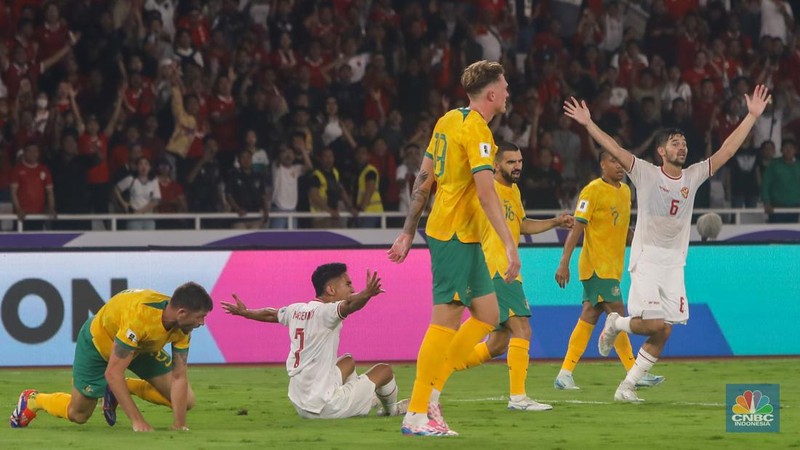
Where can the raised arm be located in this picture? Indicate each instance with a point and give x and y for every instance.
(562, 273)
(419, 199)
(755, 107)
(357, 301)
(579, 112)
(238, 308)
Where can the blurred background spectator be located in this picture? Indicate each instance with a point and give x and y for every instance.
(299, 83)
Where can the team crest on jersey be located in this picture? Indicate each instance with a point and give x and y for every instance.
(685, 192)
(485, 148)
(132, 336)
(615, 291)
(583, 205)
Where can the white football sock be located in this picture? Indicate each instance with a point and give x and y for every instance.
(564, 372)
(644, 362)
(434, 396)
(387, 394)
(623, 324)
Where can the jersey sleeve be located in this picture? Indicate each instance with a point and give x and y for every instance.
(129, 334)
(182, 344)
(699, 172)
(329, 314)
(480, 148)
(285, 314)
(640, 171)
(586, 205)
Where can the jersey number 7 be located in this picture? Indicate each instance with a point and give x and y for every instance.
(299, 333)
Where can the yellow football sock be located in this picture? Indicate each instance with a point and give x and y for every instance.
(429, 363)
(624, 350)
(146, 391)
(56, 404)
(467, 337)
(578, 341)
(518, 360)
(480, 354)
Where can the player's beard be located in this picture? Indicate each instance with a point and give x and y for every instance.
(512, 176)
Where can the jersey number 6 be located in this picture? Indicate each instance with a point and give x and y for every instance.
(673, 209)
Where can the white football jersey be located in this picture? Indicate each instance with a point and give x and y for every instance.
(664, 212)
(314, 329)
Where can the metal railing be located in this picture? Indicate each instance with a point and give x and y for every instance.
(388, 220)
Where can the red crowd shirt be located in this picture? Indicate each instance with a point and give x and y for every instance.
(225, 131)
(52, 39)
(31, 182)
(98, 174)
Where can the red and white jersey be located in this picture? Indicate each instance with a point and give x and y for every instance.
(314, 329)
(664, 216)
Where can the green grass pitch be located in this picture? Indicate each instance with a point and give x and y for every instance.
(247, 407)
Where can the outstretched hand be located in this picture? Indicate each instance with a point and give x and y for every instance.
(759, 101)
(578, 111)
(373, 285)
(236, 309)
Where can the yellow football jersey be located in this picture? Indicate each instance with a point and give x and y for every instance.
(492, 245)
(132, 318)
(606, 212)
(461, 145)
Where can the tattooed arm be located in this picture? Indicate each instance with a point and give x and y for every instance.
(118, 362)
(419, 198)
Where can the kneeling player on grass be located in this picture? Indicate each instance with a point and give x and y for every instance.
(322, 386)
(128, 332)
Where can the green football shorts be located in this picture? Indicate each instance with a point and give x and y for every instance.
(596, 290)
(459, 271)
(89, 366)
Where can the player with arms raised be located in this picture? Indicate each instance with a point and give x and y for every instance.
(657, 297)
(321, 385)
(460, 158)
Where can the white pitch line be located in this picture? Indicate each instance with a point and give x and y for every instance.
(583, 402)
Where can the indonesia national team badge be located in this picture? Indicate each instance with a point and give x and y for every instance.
(752, 408)
(685, 192)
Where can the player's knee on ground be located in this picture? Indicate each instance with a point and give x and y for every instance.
(380, 374)
(78, 416)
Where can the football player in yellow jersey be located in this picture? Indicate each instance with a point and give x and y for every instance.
(128, 332)
(514, 333)
(460, 159)
(602, 216)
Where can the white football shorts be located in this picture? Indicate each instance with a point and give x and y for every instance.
(658, 292)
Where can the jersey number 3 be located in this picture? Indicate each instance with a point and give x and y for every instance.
(299, 333)
(439, 153)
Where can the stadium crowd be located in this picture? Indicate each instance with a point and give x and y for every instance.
(248, 106)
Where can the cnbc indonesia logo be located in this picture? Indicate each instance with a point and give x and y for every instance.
(752, 409)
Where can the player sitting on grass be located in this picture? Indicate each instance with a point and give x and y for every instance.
(320, 385)
(128, 332)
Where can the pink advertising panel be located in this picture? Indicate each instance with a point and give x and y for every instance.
(278, 278)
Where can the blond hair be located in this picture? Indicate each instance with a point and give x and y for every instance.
(480, 74)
